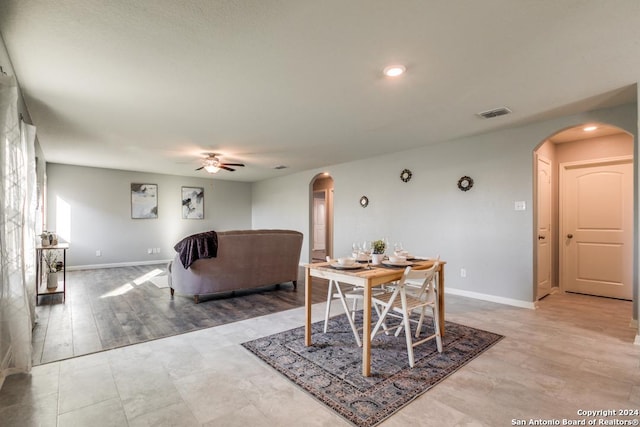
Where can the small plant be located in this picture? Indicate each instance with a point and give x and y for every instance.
(51, 259)
(379, 246)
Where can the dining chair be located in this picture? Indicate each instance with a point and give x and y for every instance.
(354, 294)
(400, 302)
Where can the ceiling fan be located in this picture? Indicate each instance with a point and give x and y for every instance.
(212, 164)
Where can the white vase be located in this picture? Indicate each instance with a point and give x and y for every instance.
(376, 259)
(52, 280)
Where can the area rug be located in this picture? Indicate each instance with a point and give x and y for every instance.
(160, 281)
(331, 369)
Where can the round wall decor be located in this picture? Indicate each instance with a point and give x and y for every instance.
(364, 201)
(405, 175)
(465, 183)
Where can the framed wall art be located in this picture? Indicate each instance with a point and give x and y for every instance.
(144, 201)
(192, 203)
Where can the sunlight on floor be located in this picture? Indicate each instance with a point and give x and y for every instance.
(128, 286)
(147, 276)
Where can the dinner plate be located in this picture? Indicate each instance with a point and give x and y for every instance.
(345, 267)
(397, 264)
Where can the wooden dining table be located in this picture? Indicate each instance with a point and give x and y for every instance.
(368, 278)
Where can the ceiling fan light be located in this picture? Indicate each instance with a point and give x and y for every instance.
(212, 169)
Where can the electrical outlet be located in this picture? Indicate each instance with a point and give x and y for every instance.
(157, 250)
(463, 272)
(149, 250)
(520, 205)
(98, 252)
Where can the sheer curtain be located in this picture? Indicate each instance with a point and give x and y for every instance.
(17, 240)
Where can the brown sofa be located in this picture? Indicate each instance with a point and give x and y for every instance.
(245, 259)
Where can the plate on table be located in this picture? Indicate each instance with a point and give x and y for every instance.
(409, 257)
(396, 264)
(345, 267)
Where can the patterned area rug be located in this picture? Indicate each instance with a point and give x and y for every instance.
(331, 368)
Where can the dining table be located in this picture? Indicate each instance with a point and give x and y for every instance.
(366, 276)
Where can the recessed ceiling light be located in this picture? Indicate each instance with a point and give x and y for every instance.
(394, 70)
(590, 128)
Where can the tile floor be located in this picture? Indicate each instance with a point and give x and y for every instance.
(574, 352)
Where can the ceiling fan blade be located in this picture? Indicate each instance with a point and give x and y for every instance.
(233, 164)
(226, 168)
(200, 168)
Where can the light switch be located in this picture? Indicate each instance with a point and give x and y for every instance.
(520, 205)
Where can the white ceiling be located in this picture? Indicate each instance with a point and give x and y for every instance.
(149, 85)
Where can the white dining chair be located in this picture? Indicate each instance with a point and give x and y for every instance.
(401, 302)
(354, 294)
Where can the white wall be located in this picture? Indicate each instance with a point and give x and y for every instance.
(100, 213)
(478, 230)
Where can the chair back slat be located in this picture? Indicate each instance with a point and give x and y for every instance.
(421, 280)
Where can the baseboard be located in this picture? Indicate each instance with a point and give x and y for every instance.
(117, 264)
(492, 298)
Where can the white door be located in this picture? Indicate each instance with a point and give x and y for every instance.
(319, 221)
(597, 228)
(544, 235)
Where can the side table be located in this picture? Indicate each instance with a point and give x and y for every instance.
(41, 288)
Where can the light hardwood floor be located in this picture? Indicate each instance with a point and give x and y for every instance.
(113, 307)
(573, 353)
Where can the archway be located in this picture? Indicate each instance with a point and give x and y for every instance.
(321, 217)
(590, 143)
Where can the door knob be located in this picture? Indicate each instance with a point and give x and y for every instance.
(541, 237)
(569, 236)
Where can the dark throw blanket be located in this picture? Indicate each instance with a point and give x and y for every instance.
(192, 248)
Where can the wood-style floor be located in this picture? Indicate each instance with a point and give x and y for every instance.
(114, 307)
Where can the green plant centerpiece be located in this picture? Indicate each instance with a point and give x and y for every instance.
(379, 246)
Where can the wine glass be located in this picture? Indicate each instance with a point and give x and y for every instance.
(356, 250)
(366, 250)
(397, 248)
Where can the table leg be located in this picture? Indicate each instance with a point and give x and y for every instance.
(441, 299)
(38, 261)
(307, 306)
(64, 275)
(366, 333)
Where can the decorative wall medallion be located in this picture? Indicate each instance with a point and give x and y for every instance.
(465, 183)
(405, 175)
(364, 201)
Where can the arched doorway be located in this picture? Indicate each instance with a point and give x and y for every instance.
(321, 217)
(557, 197)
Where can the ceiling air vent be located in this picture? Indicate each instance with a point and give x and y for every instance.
(494, 113)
